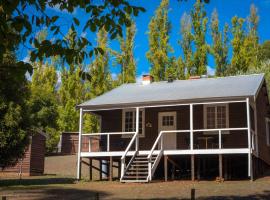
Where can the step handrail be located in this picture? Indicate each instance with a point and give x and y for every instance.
(160, 135)
(123, 158)
(152, 168)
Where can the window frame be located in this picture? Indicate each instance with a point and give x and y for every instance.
(124, 111)
(215, 105)
(267, 132)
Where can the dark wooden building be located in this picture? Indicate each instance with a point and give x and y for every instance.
(198, 129)
(33, 161)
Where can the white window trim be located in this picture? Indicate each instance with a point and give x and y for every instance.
(169, 113)
(267, 121)
(205, 116)
(134, 122)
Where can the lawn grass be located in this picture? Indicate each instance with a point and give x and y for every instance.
(56, 188)
(60, 184)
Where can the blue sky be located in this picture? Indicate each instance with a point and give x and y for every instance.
(226, 10)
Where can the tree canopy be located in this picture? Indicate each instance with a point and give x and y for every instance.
(14, 116)
(159, 47)
(17, 26)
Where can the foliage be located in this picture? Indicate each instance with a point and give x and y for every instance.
(175, 69)
(14, 119)
(245, 45)
(101, 80)
(264, 51)
(125, 58)
(159, 48)
(251, 43)
(220, 45)
(99, 68)
(17, 25)
(238, 60)
(199, 24)
(264, 67)
(42, 103)
(186, 44)
(71, 94)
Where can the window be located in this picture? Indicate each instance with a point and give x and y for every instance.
(216, 116)
(129, 121)
(267, 123)
(167, 120)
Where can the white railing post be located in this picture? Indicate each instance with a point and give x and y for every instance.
(253, 141)
(249, 139)
(122, 167)
(89, 144)
(108, 142)
(219, 139)
(137, 127)
(79, 145)
(162, 141)
(150, 169)
(191, 125)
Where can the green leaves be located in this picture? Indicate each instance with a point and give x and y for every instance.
(13, 113)
(219, 48)
(76, 21)
(157, 55)
(54, 18)
(17, 24)
(199, 24)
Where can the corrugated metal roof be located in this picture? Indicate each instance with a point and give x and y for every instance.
(180, 90)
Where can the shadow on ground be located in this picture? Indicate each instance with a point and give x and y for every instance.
(55, 193)
(36, 181)
(262, 196)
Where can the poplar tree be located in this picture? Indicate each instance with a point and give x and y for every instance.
(99, 68)
(238, 61)
(199, 22)
(125, 58)
(186, 44)
(176, 69)
(158, 36)
(251, 43)
(219, 47)
(101, 80)
(264, 51)
(71, 92)
(43, 103)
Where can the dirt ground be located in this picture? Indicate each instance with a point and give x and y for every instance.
(59, 183)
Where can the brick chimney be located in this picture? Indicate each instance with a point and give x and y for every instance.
(194, 77)
(147, 79)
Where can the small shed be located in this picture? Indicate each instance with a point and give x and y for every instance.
(69, 143)
(33, 161)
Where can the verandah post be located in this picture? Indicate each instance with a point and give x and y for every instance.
(191, 140)
(220, 166)
(249, 141)
(79, 145)
(111, 169)
(166, 167)
(192, 167)
(137, 127)
(191, 125)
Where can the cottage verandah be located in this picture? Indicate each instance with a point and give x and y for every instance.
(140, 136)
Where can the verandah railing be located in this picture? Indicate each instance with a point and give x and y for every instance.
(159, 143)
(93, 136)
(134, 140)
